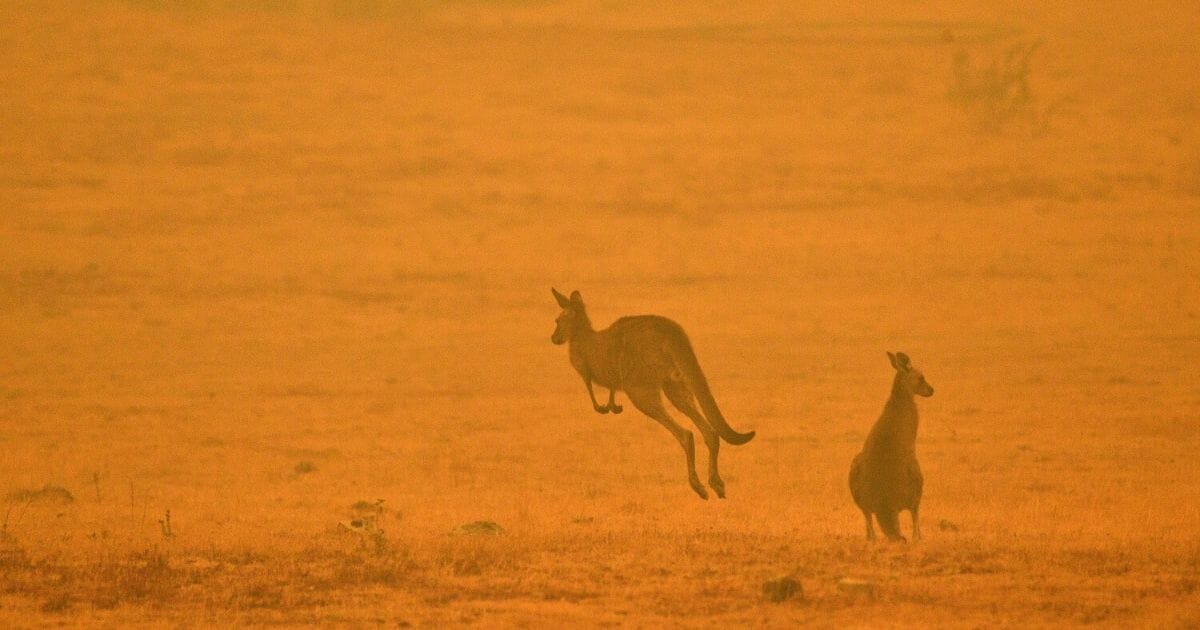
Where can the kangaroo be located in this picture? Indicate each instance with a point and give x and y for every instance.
(646, 356)
(885, 477)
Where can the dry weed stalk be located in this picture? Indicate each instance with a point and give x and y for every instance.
(165, 525)
(998, 92)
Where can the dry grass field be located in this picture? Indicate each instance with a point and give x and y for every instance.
(267, 268)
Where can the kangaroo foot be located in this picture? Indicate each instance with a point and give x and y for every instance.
(615, 408)
(718, 486)
(600, 410)
(699, 489)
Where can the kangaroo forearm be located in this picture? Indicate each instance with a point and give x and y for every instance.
(591, 393)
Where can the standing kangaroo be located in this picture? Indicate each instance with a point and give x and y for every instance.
(885, 477)
(645, 356)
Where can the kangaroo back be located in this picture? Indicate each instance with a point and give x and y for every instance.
(689, 366)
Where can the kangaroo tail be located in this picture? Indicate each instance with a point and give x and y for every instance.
(689, 366)
(889, 522)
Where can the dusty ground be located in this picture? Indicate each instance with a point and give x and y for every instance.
(261, 265)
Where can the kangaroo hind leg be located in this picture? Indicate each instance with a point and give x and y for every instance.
(649, 402)
(612, 402)
(917, 481)
(679, 395)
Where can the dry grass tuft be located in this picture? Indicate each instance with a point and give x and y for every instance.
(997, 91)
(304, 468)
(48, 494)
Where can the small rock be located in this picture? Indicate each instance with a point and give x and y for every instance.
(782, 589)
(947, 526)
(485, 528)
(359, 526)
(857, 588)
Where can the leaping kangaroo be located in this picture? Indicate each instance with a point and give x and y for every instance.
(645, 356)
(885, 477)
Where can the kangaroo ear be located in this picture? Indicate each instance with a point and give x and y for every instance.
(560, 298)
(576, 298)
(900, 361)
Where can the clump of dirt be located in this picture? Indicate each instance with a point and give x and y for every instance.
(479, 528)
(782, 589)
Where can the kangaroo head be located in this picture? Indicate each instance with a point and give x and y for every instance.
(571, 316)
(912, 378)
